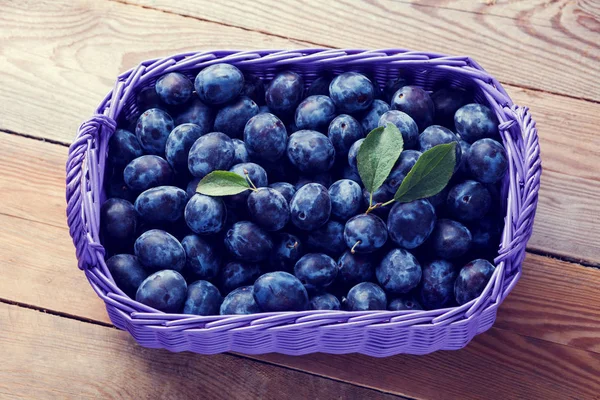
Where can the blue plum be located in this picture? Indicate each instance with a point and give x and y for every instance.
(191, 187)
(475, 121)
(398, 272)
(310, 207)
(371, 118)
(463, 167)
(324, 301)
(256, 174)
(392, 85)
(404, 303)
(174, 88)
(365, 233)
(351, 92)
(450, 239)
(117, 188)
(123, 147)
(315, 112)
(280, 291)
(468, 201)
(437, 284)
(287, 249)
(486, 235)
(254, 88)
(284, 93)
(472, 280)
(219, 83)
(350, 173)
(164, 290)
(343, 132)
(248, 242)
(203, 298)
(353, 153)
(439, 200)
(147, 98)
(346, 199)
(152, 130)
(355, 268)
(232, 118)
(366, 296)
(446, 102)
(205, 215)
(235, 274)
(285, 188)
(319, 86)
(268, 208)
(316, 271)
(265, 137)
(127, 272)
(328, 239)
(240, 301)
(415, 102)
(437, 134)
(203, 260)
(410, 224)
(147, 171)
(310, 151)
(487, 161)
(179, 143)
(213, 151)
(157, 250)
(161, 204)
(197, 113)
(118, 222)
(406, 161)
(405, 124)
(240, 152)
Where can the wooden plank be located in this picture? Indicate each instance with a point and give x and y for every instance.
(49, 357)
(509, 41)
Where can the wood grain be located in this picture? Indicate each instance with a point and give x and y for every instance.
(508, 39)
(48, 357)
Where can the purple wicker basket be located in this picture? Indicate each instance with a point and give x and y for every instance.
(376, 333)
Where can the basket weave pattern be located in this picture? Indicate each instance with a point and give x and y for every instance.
(376, 333)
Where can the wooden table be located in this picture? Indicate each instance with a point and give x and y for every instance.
(59, 58)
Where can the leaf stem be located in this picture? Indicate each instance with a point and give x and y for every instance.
(250, 180)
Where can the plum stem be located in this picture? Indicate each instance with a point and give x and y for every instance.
(250, 180)
(293, 246)
(353, 249)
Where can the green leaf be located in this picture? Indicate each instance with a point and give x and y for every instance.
(378, 154)
(222, 183)
(429, 175)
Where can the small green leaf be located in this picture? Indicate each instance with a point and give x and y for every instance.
(378, 154)
(222, 183)
(429, 175)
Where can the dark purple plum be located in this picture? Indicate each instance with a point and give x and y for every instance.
(346, 199)
(146, 172)
(370, 120)
(118, 223)
(254, 88)
(353, 153)
(407, 160)
(127, 272)
(219, 84)
(152, 130)
(351, 92)
(256, 174)
(123, 147)
(203, 260)
(284, 93)
(161, 204)
(366, 296)
(203, 298)
(355, 268)
(268, 208)
(197, 113)
(280, 291)
(328, 239)
(316, 271)
(487, 161)
(164, 290)
(437, 284)
(415, 102)
(343, 132)
(468, 201)
(398, 272)
(486, 235)
(315, 112)
(246, 241)
(240, 152)
(285, 188)
(319, 86)
(235, 274)
(287, 249)
(265, 137)
(472, 280)
(205, 215)
(404, 303)
(392, 85)
(324, 301)
(450, 239)
(174, 88)
(365, 233)
(410, 224)
(157, 250)
(240, 301)
(437, 134)
(178, 145)
(310, 207)
(211, 152)
(310, 151)
(232, 118)
(476, 121)
(405, 124)
(446, 102)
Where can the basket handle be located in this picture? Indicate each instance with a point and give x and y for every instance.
(81, 193)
